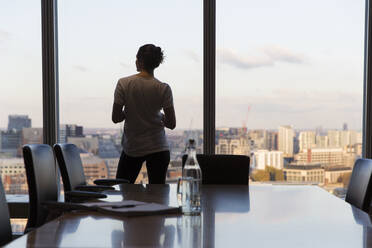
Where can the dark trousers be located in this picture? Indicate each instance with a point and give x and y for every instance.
(156, 164)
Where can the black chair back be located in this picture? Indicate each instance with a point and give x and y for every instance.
(223, 169)
(359, 192)
(70, 165)
(5, 228)
(42, 181)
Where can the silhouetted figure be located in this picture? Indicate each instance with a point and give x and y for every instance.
(139, 100)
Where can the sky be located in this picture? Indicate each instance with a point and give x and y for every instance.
(279, 62)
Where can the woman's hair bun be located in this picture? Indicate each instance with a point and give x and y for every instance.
(151, 56)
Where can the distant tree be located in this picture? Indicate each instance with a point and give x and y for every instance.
(269, 174)
(260, 175)
(276, 174)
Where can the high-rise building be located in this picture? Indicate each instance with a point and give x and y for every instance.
(322, 141)
(342, 138)
(18, 122)
(10, 141)
(70, 130)
(285, 140)
(334, 137)
(272, 140)
(307, 140)
(259, 137)
(268, 158)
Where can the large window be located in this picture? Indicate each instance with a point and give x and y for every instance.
(290, 87)
(98, 45)
(21, 93)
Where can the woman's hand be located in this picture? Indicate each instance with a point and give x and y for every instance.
(169, 118)
(117, 113)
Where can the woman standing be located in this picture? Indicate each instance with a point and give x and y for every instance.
(138, 101)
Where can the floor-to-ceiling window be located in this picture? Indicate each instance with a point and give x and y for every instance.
(98, 42)
(289, 87)
(289, 81)
(20, 90)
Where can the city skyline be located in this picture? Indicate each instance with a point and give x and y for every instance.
(2, 128)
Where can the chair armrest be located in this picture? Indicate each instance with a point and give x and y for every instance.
(94, 188)
(110, 182)
(77, 194)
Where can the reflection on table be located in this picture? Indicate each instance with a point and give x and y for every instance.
(232, 216)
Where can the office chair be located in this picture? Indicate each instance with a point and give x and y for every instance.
(72, 171)
(42, 182)
(222, 169)
(5, 228)
(359, 192)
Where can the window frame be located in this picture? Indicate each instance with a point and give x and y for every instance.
(51, 89)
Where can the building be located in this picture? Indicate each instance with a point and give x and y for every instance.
(94, 167)
(333, 174)
(307, 140)
(13, 175)
(32, 136)
(10, 141)
(304, 173)
(259, 137)
(358, 149)
(322, 141)
(18, 122)
(70, 130)
(107, 148)
(272, 140)
(89, 144)
(342, 138)
(112, 166)
(235, 146)
(325, 157)
(174, 171)
(285, 140)
(265, 158)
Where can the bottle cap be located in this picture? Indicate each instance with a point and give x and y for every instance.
(191, 143)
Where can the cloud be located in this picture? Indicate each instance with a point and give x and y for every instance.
(230, 57)
(264, 57)
(80, 68)
(282, 54)
(4, 35)
(193, 55)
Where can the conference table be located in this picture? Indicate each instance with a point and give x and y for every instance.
(261, 215)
